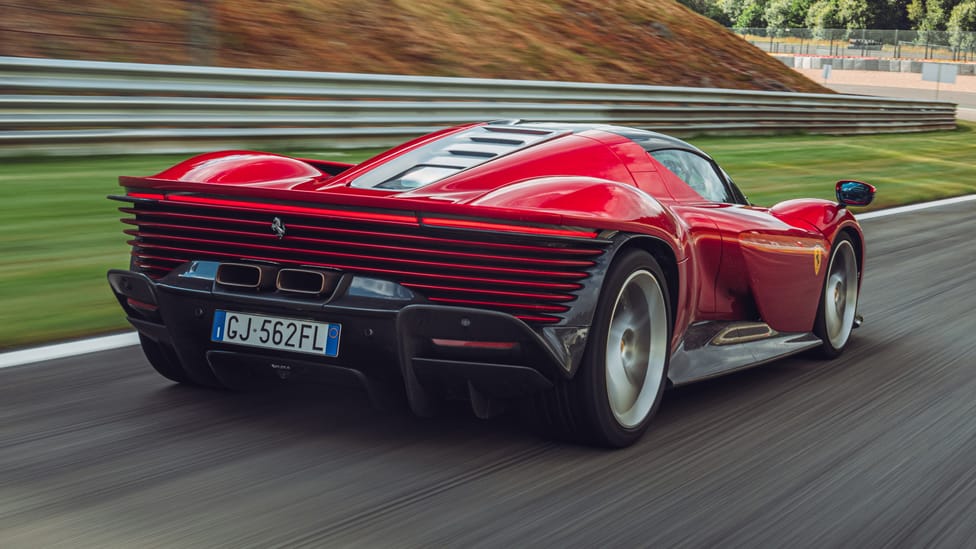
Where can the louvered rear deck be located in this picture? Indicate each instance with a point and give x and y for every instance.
(532, 276)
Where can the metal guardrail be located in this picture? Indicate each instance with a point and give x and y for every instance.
(87, 106)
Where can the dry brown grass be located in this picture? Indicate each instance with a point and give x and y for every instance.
(625, 41)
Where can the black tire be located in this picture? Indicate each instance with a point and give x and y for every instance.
(162, 359)
(838, 299)
(582, 409)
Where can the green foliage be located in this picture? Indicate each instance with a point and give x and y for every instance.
(710, 9)
(927, 14)
(854, 14)
(753, 14)
(922, 15)
(962, 23)
(821, 15)
(744, 13)
(784, 14)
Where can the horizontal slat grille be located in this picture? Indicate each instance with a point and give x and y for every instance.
(532, 277)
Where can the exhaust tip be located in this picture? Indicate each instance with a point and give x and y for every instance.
(302, 281)
(241, 275)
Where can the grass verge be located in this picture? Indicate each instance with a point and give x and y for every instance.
(58, 234)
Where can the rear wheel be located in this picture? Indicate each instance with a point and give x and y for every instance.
(621, 379)
(838, 302)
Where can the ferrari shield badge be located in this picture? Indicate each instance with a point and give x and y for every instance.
(818, 254)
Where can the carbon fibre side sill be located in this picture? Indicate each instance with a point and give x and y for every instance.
(698, 357)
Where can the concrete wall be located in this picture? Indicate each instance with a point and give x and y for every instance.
(863, 64)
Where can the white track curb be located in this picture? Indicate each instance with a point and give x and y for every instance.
(71, 348)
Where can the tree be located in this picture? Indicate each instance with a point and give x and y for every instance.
(891, 14)
(962, 26)
(929, 15)
(710, 9)
(784, 14)
(822, 15)
(854, 14)
(745, 13)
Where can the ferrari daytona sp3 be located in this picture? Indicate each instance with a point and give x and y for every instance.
(573, 270)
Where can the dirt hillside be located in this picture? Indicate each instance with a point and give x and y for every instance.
(625, 41)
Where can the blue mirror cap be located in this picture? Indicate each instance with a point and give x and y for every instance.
(854, 193)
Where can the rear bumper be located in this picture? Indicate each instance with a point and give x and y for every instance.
(430, 350)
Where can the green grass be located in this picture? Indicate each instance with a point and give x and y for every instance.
(906, 168)
(58, 233)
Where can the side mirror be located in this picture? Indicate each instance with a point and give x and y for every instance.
(854, 193)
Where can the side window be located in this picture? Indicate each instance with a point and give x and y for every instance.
(737, 195)
(696, 171)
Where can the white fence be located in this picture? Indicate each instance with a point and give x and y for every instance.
(58, 106)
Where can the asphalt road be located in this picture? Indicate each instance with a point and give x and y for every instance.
(877, 448)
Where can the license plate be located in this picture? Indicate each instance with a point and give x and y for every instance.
(271, 332)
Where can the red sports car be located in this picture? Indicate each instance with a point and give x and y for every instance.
(575, 269)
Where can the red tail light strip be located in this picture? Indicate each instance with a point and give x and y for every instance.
(147, 196)
(420, 239)
(384, 250)
(140, 305)
(278, 250)
(302, 210)
(526, 270)
(537, 319)
(504, 227)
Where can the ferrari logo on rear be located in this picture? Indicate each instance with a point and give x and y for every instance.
(278, 227)
(818, 254)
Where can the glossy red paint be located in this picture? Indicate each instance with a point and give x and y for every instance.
(734, 262)
(429, 242)
(148, 196)
(304, 210)
(503, 227)
(213, 233)
(241, 168)
(341, 256)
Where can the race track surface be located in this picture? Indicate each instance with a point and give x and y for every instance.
(877, 448)
(902, 84)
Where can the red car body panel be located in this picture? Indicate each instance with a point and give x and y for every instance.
(733, 261)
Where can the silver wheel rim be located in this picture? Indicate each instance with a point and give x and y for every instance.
(840, 295)
(636, 348)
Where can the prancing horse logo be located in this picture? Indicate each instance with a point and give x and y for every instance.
(278, 227)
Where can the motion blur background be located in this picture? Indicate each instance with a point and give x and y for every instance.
(873, 449)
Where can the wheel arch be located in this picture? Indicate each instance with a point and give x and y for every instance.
(666, 259)
(857, 239)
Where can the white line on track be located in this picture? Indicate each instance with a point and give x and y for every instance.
(71, 348)
(916, 207)
(107, 343)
